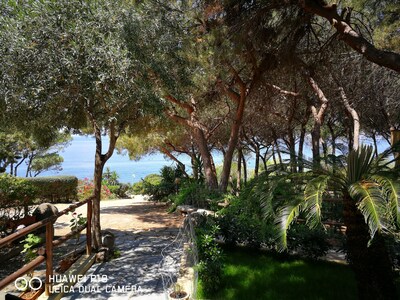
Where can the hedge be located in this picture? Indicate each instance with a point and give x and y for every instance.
(55, 188)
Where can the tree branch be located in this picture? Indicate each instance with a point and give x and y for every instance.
(346, 33)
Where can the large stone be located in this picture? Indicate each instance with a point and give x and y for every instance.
(108, 240)
(44, 211)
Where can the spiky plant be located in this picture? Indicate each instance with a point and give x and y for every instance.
(370, 211)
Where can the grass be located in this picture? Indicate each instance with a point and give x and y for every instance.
(257, 275)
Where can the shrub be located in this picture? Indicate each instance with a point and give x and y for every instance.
(194, 193)
(86, 189)
(242, 223)
(159, 187)
(306, 242)
(119, 190)
(15, 193)
(55, 188)
(210, 256)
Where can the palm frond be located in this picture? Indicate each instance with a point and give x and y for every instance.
(313, 194)
(390, 191)
(359, 163)
(285, 217)
(371, 204)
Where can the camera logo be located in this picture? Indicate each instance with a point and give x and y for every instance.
(22, 284)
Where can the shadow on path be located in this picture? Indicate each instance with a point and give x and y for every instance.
(146, 259)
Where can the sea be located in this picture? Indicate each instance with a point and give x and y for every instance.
(79, 161)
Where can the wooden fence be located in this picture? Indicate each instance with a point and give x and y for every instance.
(45, 254)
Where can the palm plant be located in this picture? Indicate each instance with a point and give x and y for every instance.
(371, 210)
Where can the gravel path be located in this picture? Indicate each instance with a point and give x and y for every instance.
(145, 235)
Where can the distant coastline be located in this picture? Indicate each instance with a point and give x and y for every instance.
(79, 162)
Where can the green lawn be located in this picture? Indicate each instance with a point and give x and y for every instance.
(255, 275)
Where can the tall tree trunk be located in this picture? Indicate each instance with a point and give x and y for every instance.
(350, 138)
(318, 115)
(240, 100)
(375, 144)
(257, 161)
(239, 171)
(333, 137)
(371, 264)
(97, 178)
(292, 152)
(315, 141)
(210, 173)
(278, 151)
(273, 158)
(100, 161)
(17, 165)
(244, 169)
(301, 148)
(354, 115)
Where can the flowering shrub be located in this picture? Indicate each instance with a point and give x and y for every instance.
(86, 189)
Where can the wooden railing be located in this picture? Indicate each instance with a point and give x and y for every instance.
(46, 253)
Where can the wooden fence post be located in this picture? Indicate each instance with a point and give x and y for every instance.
(49, 257)
(89, 228)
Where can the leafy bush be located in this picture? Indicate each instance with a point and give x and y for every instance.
(194, 193)
(306, 242)
(86, 189)
(210, 257)
(55, 188)
(159, 187)
(242, 223)
(144, 187)
(245, 222)
(15, 193)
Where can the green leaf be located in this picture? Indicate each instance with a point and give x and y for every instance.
(313, 196)
(285, 217)
(371, 203)
(390, 191)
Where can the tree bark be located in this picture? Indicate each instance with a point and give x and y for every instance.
(240, 100)
(239, 171)
(210, 173)
(199, 136)
(375, 144)
(244, 169)
(370, 263)
(318, 121)
(346, 33)
(354, 115)
(100, 161)
(257, 161)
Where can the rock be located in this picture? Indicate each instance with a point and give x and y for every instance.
(103, 255)
(44, 211)
(108, 240)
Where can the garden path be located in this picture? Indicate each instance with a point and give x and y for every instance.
(144, 234)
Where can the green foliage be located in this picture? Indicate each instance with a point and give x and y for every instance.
(55, 188)
(308, 242)
(194, 193)
(30, 242)
(241, 223)
(210, 256)
(110, 178)
(365, 179)
(16, 195)
(159, 187)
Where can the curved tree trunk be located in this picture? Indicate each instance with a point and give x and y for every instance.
(371, 264)
(210, 173)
